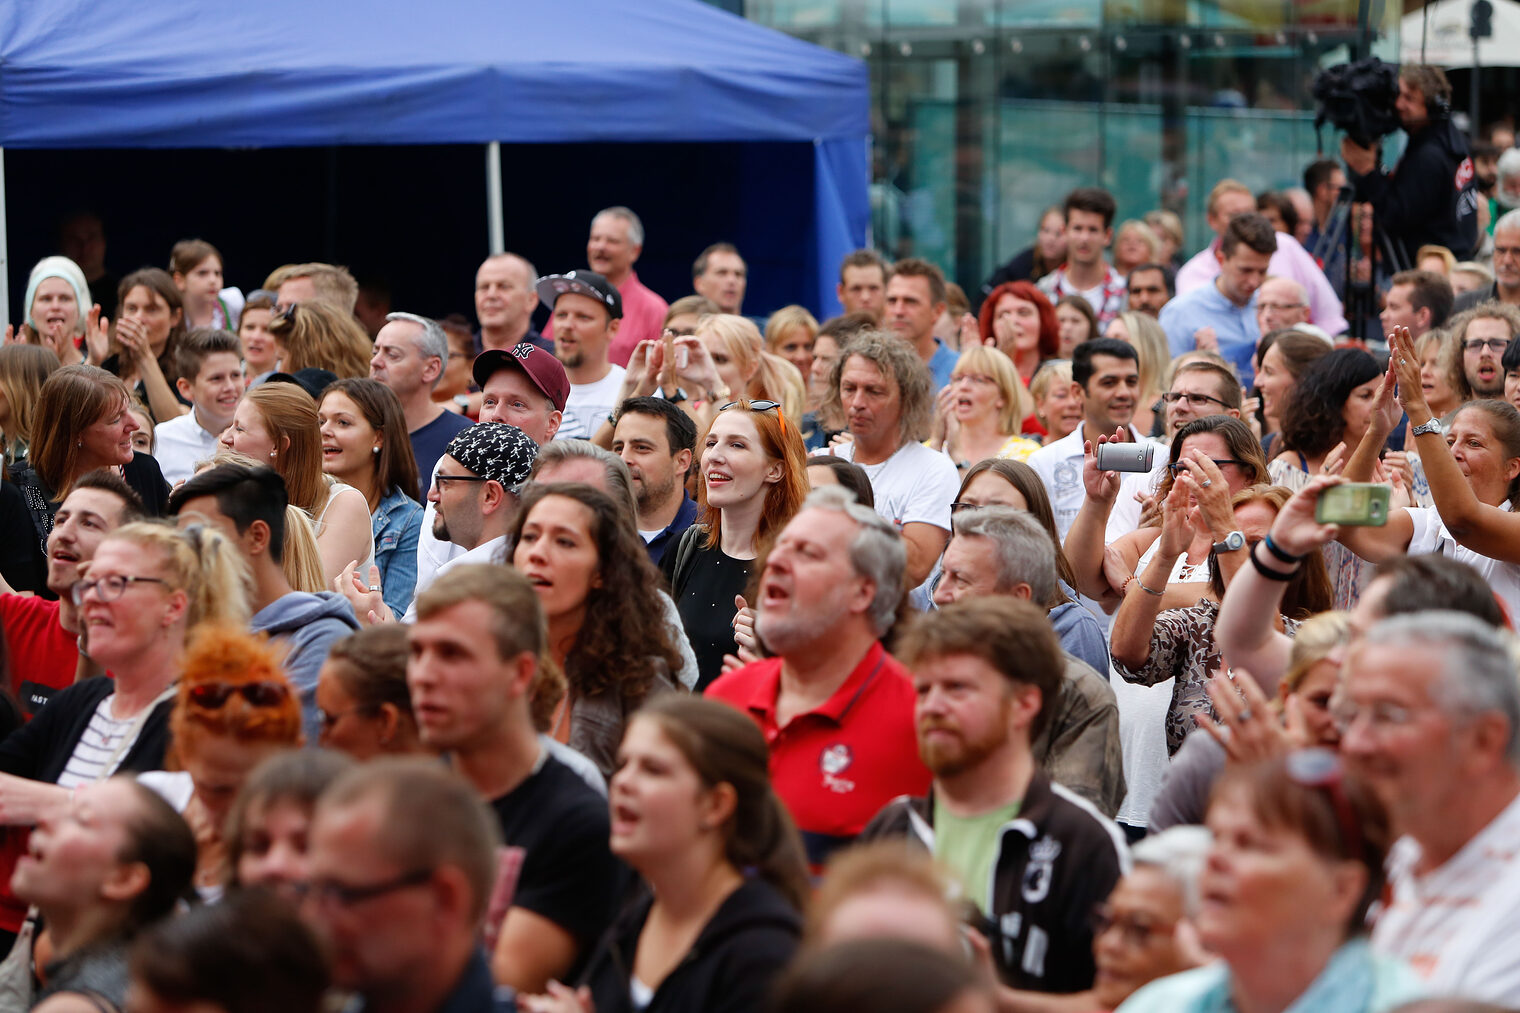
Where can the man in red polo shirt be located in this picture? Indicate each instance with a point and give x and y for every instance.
(41, 634)
(835, 707)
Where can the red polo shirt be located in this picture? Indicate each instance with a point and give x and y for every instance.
(837, 765)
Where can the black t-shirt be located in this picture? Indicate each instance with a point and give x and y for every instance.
(145, 477)
(568, 874)
(429, 443)
(704, 592)
(23, 560)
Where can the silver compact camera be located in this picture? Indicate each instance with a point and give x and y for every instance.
(1126, 456)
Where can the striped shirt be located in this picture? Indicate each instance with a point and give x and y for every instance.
(101, 748)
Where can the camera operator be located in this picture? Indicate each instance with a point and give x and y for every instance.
(1429, 196)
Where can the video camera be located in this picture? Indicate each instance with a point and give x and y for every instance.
(1359, 99)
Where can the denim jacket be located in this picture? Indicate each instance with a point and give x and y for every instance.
(396, 523)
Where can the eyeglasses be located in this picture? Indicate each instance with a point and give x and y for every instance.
(108, 588)
(1196, 400)
(1177, 467)
(441, 478)
(1381, 716)
(325, 892)
(212, 695)
(1492, 344)
(1275, 306)
(1321, 768)
(1135, 929)
(671, 332)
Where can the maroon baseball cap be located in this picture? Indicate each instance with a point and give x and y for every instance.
(545, 371)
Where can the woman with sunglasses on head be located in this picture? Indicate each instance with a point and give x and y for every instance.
(234, 708)
(751, 480)
(278, 423)
(317, 335)
(1226, 458)
(579, 550)
(1296, 862)
(723, 875)
(365, 445)
(980, 412)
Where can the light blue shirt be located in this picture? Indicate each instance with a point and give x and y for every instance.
(1355, 980)
(1206, 306)
(942, 364)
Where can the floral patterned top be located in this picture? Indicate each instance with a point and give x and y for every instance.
(1183, 648)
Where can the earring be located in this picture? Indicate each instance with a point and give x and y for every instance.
(79, 445)
(374, 450)
(271, 455)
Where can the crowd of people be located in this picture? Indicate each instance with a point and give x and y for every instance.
(1138, 638)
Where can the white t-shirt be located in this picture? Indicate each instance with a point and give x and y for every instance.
(915, 485)
(1124, 518)
(1060, 468)
(589, 405)
(180, 444)
(1456, 925)
(1430, 535)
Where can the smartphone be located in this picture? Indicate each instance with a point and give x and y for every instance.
(1126, 456)
(1361, 504)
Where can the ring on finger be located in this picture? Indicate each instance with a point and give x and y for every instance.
(374, 587)
(1206, 483)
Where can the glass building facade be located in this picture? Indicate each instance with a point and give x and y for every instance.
(986, 112)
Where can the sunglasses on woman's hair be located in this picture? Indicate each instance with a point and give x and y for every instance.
(213, 695)
(761, 406)
(1321, 769)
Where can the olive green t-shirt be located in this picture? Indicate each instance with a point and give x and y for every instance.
(968, 847)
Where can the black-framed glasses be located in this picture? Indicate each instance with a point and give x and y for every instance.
(1321, 769)
(441, 478)
(213, 695)
(959, 505)
(1492, 344)
(1177, 467)
(1196, 400)
(324, 892)
(108, 588)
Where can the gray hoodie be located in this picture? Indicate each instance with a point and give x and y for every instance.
(306, 625)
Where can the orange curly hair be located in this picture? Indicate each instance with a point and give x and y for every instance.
(229, 655)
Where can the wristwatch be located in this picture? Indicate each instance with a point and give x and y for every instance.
(1433, 426)
(463, 401)
(677, 397)
(1232, 541)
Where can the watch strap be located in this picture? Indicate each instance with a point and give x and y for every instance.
(1431, 426)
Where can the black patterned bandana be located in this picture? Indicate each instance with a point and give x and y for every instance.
(496, 451)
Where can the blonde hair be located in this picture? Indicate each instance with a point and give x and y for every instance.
(1146, 234)
(1439, 252)
(319, 335)
(772, 378)
(332, 283)
(1017, 403)
(200, 561)
(1316, 638)
(785, 319)
(301, 561)
(1151, 347)
(290, 417)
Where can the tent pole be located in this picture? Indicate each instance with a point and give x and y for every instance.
(5, 260)
(495, 223)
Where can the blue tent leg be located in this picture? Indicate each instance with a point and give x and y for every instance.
(841, 207)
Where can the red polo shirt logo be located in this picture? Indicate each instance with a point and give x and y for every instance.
(835, 760)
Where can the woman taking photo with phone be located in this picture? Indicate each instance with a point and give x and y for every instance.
(1474, 474)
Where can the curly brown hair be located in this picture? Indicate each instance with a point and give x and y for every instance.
(1312, 419)
(624, 642)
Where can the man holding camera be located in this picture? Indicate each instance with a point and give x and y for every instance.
(1429, 197)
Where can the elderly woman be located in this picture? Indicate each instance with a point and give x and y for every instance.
(1296, 862)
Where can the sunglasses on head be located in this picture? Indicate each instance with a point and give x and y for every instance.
(213, 695)
(760, 406)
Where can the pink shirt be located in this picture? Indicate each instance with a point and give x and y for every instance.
(643, 319)
(1290, 261)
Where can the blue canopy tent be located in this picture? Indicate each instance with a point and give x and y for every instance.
(290, 73)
